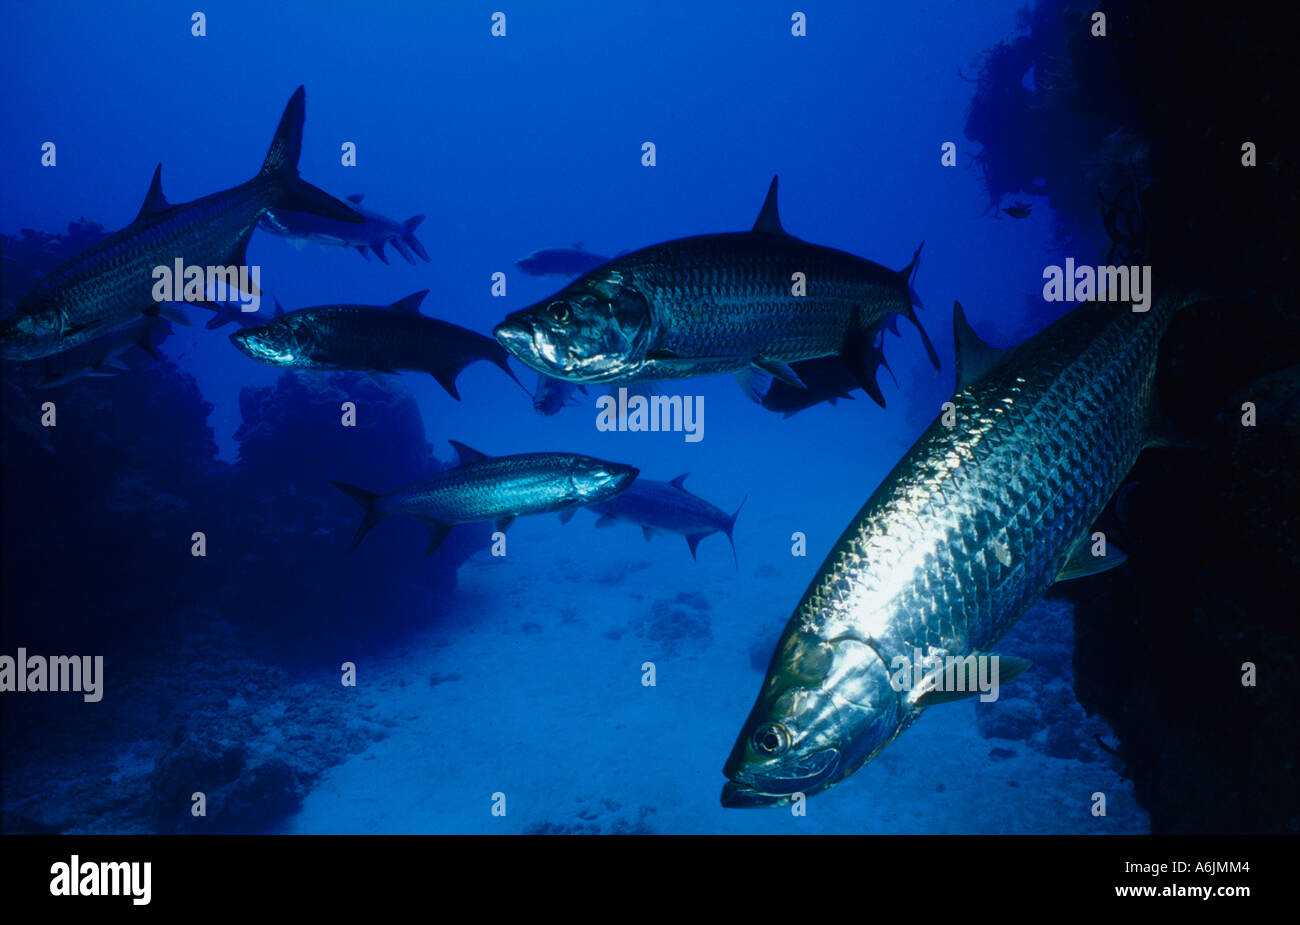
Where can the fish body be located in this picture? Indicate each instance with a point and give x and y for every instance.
(495, 488)
(111, 283)
(368, 337)
(967, 531)
(667, 506)
(551, 395)
(366, 238)
(560, 261)
(715, 303)
(825, 379)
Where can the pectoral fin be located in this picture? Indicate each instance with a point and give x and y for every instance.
(503, 523)
(1009, 668)
(1083, 563)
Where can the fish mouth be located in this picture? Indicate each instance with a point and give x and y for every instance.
(812, 775)
(516, 337)
(240, 340)
(623, 476)
(258, 349)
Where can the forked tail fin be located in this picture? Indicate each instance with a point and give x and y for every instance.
(409, 237)
(281, 162)
(372, 512)
(730, 528)
(908, 274)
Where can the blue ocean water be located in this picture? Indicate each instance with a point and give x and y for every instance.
(482, 679)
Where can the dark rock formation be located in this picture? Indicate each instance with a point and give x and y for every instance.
(1141, 133)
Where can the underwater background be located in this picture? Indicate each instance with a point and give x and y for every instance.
(522, 675)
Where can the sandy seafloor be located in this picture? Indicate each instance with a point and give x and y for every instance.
(527, 682)
(534, 691)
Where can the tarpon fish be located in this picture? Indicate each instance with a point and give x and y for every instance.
(960, 539)
(825, 379)
(99, 357)
(370, 236)
(111, 283)
(374, 338)
(560, 261)
(495, 488)
(552, 395)
(716, 303)
(666, 506)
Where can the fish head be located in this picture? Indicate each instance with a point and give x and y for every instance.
(286, 341)
(826, 708)
(533, 264)
(595, 479)
(33, 331)
(595, 330)
(548, 403)
(549, 396)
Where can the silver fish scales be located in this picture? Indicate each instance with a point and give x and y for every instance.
(967, 531)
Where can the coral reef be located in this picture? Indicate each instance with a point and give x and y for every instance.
(1038, 709)
(100, 514)
(677, 624)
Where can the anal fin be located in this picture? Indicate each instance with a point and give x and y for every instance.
(438, 531)
(862, 356)
(779, 370)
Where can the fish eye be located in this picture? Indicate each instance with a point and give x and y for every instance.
(770, 740)
(559, 311)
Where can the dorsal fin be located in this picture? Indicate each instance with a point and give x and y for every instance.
(356, 198)
(974, 357)
(412, 302)
(769, 219)
(680, 481)
(467, 454)
(279, 309)
(154, 200)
